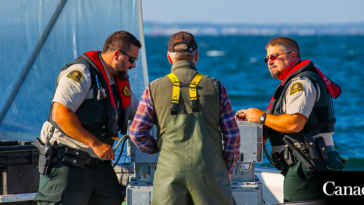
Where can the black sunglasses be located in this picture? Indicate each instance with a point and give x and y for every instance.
(131, 58)
(274, 56)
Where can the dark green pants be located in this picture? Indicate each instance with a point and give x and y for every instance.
(301, 184)
(69, 185)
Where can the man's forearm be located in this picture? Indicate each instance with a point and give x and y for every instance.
(146, 143)
(231, 157)
(142, 124)
(285, 123)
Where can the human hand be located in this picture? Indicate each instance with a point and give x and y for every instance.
(104, 151)
(253, 114)
(230, 177)
(240, 115)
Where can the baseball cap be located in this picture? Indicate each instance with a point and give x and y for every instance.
(182, 37)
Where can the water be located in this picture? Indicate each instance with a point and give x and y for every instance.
(237, 61)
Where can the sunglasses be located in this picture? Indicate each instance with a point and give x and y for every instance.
(274, 56)
(131, 58)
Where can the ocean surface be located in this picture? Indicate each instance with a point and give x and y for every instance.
(237, 61)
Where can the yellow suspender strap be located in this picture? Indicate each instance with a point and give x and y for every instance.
(175, 92)
(193, 85)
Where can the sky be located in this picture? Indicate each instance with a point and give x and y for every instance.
(254, 11)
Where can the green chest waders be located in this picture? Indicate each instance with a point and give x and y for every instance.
(191, 168)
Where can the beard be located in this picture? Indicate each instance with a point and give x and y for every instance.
(275, 73)
(120, 70)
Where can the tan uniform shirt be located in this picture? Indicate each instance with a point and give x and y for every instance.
(300, 97)
(74, 86)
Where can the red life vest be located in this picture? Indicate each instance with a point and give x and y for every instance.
(123, 84)
(333, 89)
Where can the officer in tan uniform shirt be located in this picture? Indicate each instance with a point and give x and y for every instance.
(300, 98)
(71, 94)
(90, 108)
(301, 114)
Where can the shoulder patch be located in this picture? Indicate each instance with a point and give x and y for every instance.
(75, 75)
(295, 88)
(126, 91)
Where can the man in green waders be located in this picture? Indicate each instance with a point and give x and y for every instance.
(191, 111)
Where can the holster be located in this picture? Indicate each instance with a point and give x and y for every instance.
(46, 155)
(299, 152)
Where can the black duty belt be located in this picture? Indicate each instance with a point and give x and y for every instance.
(77, 158)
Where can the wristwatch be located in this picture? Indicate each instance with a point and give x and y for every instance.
(262, 118)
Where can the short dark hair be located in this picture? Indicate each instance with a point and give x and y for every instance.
(287, 44)
(121, 40)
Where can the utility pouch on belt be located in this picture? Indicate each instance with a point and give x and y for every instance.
(74, 161)
(279, 162)
(321, 147)
(45, 155)
(288, 157)
(74, 157)
(74, 152)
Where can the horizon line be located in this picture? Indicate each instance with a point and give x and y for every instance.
(257, 24)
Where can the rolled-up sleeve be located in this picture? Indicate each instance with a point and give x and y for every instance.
(230, 131)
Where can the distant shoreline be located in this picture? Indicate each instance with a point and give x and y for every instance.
(167, 29)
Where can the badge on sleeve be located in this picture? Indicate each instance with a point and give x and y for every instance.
(295, 88)
(126, 91)
(75, 75)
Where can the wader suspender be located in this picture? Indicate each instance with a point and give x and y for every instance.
(176, 91)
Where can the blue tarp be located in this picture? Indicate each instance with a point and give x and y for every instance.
(77, 27)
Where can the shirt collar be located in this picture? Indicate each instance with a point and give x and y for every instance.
(183, 64)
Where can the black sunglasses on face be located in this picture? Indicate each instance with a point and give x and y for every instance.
(131, 58)
(274, 56)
